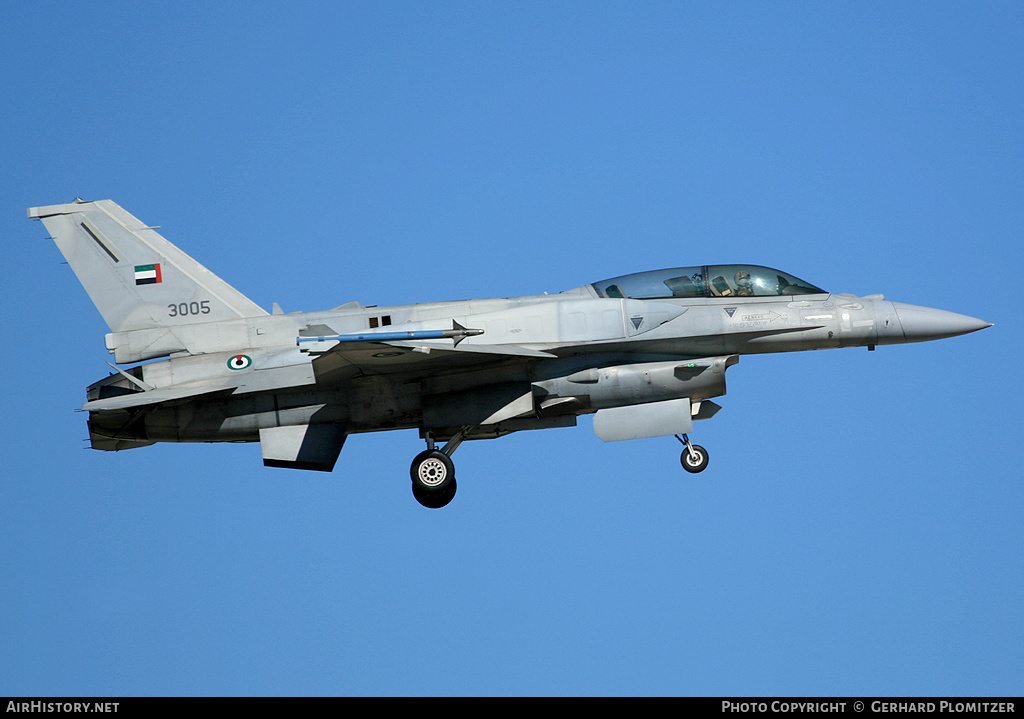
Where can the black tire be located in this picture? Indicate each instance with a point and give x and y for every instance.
(432, 471)
(689, 465)
(435, 500)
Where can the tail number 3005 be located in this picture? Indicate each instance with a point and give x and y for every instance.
(183, 309)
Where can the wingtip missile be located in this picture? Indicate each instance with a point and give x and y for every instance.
(456, 333)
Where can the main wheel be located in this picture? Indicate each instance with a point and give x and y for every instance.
(696, 463)
(433, 478)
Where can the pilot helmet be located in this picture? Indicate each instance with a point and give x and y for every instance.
(743, 278)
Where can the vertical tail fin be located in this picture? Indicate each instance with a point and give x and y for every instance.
(136, 278)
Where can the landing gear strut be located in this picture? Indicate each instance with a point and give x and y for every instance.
(694, 458)
(433, 472)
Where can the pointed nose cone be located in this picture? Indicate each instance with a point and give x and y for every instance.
(924, 323)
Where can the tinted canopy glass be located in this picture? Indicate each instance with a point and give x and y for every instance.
(706, 281)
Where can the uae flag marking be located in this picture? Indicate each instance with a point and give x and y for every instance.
(148, 274)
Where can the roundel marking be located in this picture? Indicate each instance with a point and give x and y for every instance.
(239, 361)
(389, 354)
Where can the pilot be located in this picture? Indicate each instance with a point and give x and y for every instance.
(744, 285)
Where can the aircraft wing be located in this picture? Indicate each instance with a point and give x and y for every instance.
(417, 357)
(483, 350)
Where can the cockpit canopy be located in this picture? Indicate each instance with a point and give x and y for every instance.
(706, 281)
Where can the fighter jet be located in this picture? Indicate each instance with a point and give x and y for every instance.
(645, 353)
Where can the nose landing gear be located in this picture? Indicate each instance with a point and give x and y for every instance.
(433, 472)
(694, 458)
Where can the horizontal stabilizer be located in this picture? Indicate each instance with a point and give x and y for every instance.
(163, 394)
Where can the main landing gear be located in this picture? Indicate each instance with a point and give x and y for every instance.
(433, 472)
(694, 458)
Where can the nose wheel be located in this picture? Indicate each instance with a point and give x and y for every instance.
(694, 457)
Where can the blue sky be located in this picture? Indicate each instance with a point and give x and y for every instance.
(858, 530)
